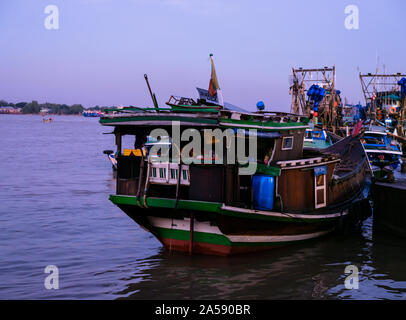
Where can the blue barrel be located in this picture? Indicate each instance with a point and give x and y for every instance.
(263, 187)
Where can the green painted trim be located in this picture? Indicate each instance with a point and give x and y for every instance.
(157, 118)
(272, 171)
(135, 109)
(206, 207)
(168, 203)
(194, 109)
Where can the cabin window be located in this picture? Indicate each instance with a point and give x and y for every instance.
(162, 173)
(174, 173)
(287, 143)
(320, 200)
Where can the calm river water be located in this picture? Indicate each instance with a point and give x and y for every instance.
(54, 210)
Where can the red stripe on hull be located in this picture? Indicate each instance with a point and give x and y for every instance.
(211, 249)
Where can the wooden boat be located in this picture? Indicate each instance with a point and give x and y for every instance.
(46, 119)
(385, 98)
(318, 138)
(211, 208)
(92, 113)
(381, 150)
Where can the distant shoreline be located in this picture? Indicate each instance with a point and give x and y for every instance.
(47, 108)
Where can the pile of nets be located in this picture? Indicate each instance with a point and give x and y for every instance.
(316, 94)
(402, 83)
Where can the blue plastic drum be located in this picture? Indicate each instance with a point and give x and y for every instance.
(263, 187)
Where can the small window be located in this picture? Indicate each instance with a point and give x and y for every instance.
(287, 143)
(174, 174)
(320, 200)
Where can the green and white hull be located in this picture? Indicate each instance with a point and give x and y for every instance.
(221, 229)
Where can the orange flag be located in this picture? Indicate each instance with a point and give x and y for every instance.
(213, 84)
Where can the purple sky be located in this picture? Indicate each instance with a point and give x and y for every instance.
(103, 48)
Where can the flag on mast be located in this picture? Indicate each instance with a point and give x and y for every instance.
(214, 87)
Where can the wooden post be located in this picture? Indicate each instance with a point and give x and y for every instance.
(150, 92)
(178, 183)
(118, 142)
(192, 221)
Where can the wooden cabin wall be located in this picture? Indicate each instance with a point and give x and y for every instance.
(206, 182)
(295, 153)
(128, 170)
(296, 188)
(230, 184)
(127, 187)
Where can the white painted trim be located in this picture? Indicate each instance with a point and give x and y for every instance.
(318, 159)
(205, 227)
(310, 165)
(376, 132)
(297, 164)
(316, 188)
(382, 151)
(184, 225)
(168, 180)
(298, 237)
(285, 215)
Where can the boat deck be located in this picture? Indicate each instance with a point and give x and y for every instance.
(399, 183)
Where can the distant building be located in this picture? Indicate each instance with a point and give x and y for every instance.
(9, 109)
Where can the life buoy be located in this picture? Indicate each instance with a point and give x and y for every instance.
(392, 110)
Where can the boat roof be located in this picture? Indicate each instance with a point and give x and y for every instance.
(204, 116)
(231, 107)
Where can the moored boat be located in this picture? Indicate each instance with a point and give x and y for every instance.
(380, 148)
(211, 208)
(198, 190)
(317, 139)
(92, 113)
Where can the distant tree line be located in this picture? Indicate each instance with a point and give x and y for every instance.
(54, 108)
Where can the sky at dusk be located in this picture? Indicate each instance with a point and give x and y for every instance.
(102, 48)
